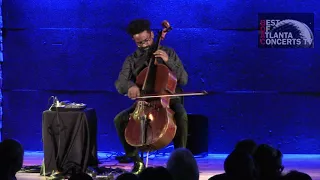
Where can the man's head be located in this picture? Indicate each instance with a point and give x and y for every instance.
(182, 165)
(247, 145)
(268, 161)
(141, 33)
(11, 156)
(240, 165)
(155, 173)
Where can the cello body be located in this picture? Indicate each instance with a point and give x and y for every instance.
(159, 127)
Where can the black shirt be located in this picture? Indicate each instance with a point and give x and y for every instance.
(135, 63)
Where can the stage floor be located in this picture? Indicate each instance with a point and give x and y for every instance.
(208, 166)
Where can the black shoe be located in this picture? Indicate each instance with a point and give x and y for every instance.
(138, 167)
(58, 176)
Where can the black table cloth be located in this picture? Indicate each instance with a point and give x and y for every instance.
(69, 140)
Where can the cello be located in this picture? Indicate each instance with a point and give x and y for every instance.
(152, 125)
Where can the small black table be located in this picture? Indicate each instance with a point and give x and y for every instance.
(69, 140)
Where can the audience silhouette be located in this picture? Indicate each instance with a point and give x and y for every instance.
(247, 161)
(11, 159)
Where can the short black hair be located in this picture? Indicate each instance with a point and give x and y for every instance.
(137, 26)
(246, 145)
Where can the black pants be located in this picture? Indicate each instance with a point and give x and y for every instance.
(180, 139)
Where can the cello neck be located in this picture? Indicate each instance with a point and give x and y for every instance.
(150, 73)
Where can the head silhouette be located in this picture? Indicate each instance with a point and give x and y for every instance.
(155, 173)
(11, 157)
(239, 165)
(268, 161)
(182, 165)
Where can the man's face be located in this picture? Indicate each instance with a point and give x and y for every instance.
(144, 39)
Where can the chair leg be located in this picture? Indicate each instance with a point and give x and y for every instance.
(141, 155)
(147, 159)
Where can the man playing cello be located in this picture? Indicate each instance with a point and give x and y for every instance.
(141, 34)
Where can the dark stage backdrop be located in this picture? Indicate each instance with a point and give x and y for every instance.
(75, 49)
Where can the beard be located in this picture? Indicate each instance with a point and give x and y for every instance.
(145, 49)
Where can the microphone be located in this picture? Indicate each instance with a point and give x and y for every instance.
(56, 102)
